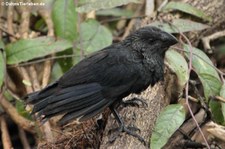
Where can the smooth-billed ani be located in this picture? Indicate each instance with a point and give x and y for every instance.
(102, 79)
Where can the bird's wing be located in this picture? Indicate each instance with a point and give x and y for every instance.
(108, 67)
(83, 71)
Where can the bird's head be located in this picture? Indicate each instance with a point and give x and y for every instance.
(151, 39)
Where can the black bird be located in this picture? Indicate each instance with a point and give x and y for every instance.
(104, 78)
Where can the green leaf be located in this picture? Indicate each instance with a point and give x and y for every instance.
(117, 12)
(210, 80)
(65, 20)
(179, 66)
(67, 62)
(222, 91)
(82, 2)
(221, 49)
(20, 107)
(40, 25)
(179, 25)
(169, 120)
(103, 4)
(56, 72)
(222, 94)
(94, 36)
(2, 45)
(8, 96)
(2, 63)
(64, 17)
(210, 83)
(216, 109)
(205, 71)
(27, 49)
(187, 8)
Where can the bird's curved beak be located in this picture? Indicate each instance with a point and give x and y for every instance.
(169, 39)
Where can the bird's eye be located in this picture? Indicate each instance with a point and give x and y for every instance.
(150, 40)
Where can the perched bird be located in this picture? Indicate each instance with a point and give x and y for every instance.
(102, 79)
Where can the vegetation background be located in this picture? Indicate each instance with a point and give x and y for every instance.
(42, 39)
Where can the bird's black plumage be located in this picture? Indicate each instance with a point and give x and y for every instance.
(105, 77)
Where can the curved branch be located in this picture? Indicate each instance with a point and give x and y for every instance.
(18, 119)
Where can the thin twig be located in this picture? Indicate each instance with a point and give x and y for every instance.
(18, 119)
(193, 99)
(34, 78)
(13, 94)
(36, 85)
(91, 15)
(62, 133)
(7, 32)
(26, 77)
(6, 141)
(200, 98)
(25, 20)
(216, 130)
(206, 40)
(149, 7)
(162, 5)
(187, 84)
(47, 69)
(67, 144)
(10, 12)
(219, 98)
(48, 133)
(132, 22)
(121, 18)
(43, 60)
(46, 127)
(23, 138)
(47, 65)
(187, 88)
(46, 73)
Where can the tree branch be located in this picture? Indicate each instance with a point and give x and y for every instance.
(18, 119)
(7, 144)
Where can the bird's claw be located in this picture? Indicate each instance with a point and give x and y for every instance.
(129, 130)
(122, 128)
(135, 102)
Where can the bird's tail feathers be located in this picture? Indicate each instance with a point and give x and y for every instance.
(79, 102)
(37, 96)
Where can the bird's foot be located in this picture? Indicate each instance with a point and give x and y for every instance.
(123, 128)
(129, 130)
(134, 102)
